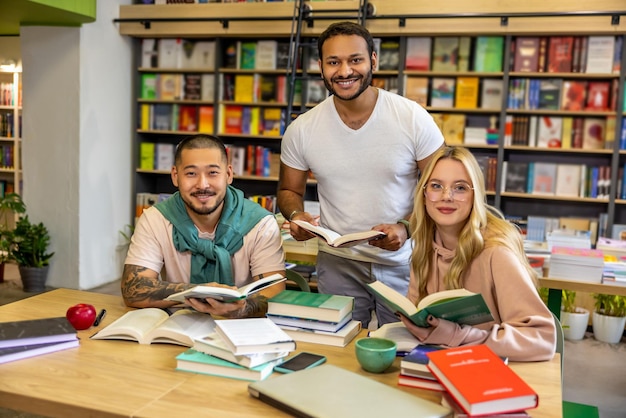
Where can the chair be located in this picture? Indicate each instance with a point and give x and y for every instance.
(571, 409)
(297, 278)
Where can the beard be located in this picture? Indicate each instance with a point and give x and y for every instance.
(364, 82)
(203, 210)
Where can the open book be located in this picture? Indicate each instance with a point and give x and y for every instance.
(456, 305)
(226, 294)
(335, 240)
(155, 325)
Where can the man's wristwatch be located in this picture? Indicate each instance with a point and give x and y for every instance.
(406, 225)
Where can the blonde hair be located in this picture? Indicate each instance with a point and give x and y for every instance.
(485, 226)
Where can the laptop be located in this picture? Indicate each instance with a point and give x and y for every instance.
(329, 391)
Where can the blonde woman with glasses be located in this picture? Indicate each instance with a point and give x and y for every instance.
(462, 242)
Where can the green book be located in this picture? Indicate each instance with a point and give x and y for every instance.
(456, 305)
(148, 86)
(318, 306)
(247, 55)
(488, 54)
(197, 362)
(146, 155)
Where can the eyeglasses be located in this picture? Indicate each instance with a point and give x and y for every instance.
(458, 191)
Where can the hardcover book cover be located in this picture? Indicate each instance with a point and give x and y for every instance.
(568, 180)
(489, 52)
(549, 131)
(560, 49)
(594, 131)
(516, 177)
(550, 93)
(36, 331)
(526, 54)
(600, 54)
(598, 95)
(416, 88)
(445, 53)
(389, 58)
(418, 53)
(498, 390)
(318, 306)
(491, 95)
(442, 92)
(574, 95)
(466, 92)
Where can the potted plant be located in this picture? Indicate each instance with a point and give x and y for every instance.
(609, 317)
(30, 251)
(122, 248)
(573, 318)
(10, 205)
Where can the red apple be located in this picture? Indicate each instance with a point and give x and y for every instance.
(81, 316)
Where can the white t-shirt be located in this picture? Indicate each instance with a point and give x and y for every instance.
(152, 247)
(365, 176)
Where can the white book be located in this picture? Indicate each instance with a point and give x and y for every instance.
(214, 345)
(204, 55)
(340, 338)
(491, 94)
(226, 294)
(568, 180)
(164, 156)
(265, 55)
(396, 331)
(170, 52)
(207, 89)
(253, 335)
(335, 239)
(600, 53)
(149, 53)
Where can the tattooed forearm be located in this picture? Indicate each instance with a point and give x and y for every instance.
(140, 289)
(256, 306)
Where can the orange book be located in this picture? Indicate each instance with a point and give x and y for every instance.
(498, 390)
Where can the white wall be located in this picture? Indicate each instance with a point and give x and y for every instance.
(77, 143)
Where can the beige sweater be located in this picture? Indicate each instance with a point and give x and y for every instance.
(523, 328)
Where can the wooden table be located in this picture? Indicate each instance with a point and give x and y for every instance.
(556, 287)
(106, 378)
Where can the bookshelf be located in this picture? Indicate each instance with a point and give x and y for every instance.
(396, 24)
(10, 130)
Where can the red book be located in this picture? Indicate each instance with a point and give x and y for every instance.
(598, 95)
(418, 382)
(574, 95)
(480, 382)
(560, 53)
(526, 54)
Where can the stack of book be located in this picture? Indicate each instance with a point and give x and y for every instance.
(24, 339)
(414, 371)
(576, 264)
(314, 317)
(246, 349)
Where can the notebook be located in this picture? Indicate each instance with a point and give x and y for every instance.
(329, 391)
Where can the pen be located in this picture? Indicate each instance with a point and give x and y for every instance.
(100, 317)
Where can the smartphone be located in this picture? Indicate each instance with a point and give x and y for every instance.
(300, 361)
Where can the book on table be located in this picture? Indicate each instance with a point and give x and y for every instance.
(214, 345)
(36, 331)
(448, 401)
(155, 325)
(226, 294)
(335, 239)
(397, 332)
(198, 362)
(26, 351)
(498, 390)
(308, 305)
(311, 324)
(253, 335)
(420, 382)
(340, 338)
(456, 305)
(415, 363)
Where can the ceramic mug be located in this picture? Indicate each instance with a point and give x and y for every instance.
(375, 355)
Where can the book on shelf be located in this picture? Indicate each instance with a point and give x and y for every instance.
(415, 363)
(226, 294)
(600, 54)
(397, 332)
(192, 86)
(253, 335)
(198, 362)
(499, 389)
(568, 180)
(340, 338)
(164, 156)
(574, 95)
(273, 121)
(488, 54)
(312, 324)
(453, 128)
(418, 51)
(266, 54)
(316, 91)
(36, 331)
(246, 55)
(202, 55)
(170, 52)
(282, 55)
(420, 382)
(416, 88)
(598, 93)
(445, 53)
(169, 86)
(155, 325)
(389, 57)
(148, 86)
(567, 131)
(337, 240)
(442, 92)
(491, 93)
(456, 305)
(465, 51)
(231, 119)
(308, 305)
(579, 264)
(149, 53)
(560, 50)
(549, 131)
(207, 88)
(246, 87)
(594, 131)
(187, 118)
(526, 55)
(550, 93)
(515, 176)
(543, 179)
(466, 92)
(20, 352)
(214, 345)
(205, 119)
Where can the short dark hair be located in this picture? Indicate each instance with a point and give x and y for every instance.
(345, 28)
(200, 141)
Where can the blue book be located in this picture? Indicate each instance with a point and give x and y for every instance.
(197, 362)
(623, 191)
(622, 139)
(531, 177)
(415, 362)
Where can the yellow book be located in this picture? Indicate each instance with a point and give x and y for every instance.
(466, 92)
(453, 128)
(566, 132)
(205, 119)
(146, 109)
(245, 88)
(146, 155)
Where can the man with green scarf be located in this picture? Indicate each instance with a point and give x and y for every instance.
(206, 232)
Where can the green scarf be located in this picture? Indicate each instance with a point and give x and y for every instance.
(210, 259)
